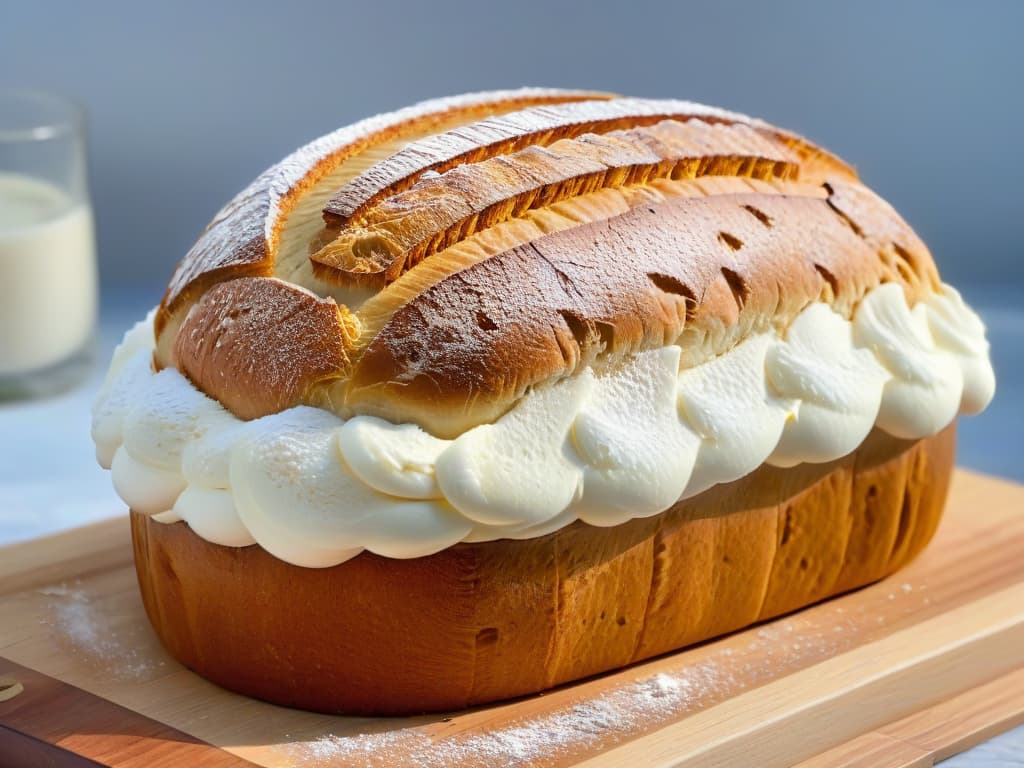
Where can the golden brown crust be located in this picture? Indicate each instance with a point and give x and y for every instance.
(461, 351)
(549, 249)
(480, 622)
(259, 345)
(439, 211)
(240, 240)
(541, 127)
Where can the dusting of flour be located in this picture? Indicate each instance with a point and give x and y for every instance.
(585, 724)
(79, 624)
(602, 721)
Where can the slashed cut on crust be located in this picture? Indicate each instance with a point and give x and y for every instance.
(475, 247)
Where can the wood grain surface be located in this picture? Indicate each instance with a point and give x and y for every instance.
(936, 733)
(901, 673)
(51, 722)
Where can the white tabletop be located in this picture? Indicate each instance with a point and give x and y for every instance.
(49, 480)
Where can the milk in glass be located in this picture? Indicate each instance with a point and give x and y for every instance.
(48, 289)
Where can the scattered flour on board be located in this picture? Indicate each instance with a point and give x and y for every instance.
(621, 713)
(600, 721)
(78, 623)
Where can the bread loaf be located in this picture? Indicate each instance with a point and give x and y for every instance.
(500, 391)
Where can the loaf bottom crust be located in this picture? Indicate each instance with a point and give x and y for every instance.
(481, 622)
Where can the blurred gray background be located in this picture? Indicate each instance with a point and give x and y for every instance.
(190, 100)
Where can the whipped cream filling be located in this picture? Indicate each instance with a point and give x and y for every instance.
(600, 446)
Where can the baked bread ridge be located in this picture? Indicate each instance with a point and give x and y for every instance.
(702, 246)
(241, 238)
(465, 349)
(481, 622)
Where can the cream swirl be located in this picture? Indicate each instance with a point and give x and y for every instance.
(836, 385)
(739, 418)
(601, 446)
(637, 453)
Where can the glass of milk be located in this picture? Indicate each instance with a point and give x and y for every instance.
(48, 275)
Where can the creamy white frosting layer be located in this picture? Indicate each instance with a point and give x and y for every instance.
(600, 446)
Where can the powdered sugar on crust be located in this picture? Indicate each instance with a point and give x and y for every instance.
(309, 163)
(241, 236)
(265, 336)
(543, 123)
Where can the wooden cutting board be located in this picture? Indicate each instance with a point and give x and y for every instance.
(899, 674)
